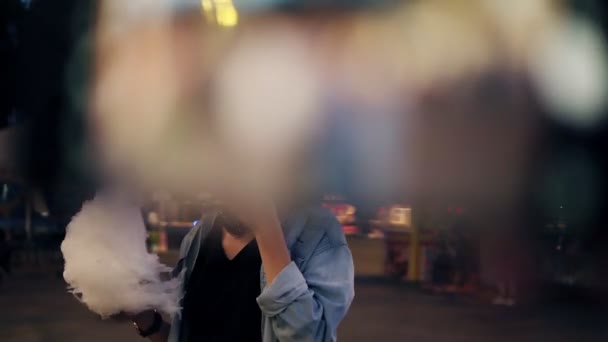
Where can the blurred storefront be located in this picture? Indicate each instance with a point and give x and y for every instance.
(169, 218)
(410, 249)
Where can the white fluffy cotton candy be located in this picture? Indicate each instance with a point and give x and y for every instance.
(107, 264)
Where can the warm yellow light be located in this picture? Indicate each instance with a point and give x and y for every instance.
(350, 210)
(207, 5)
(226, 14)
(208, 12)
(400, 216)
(222, 12)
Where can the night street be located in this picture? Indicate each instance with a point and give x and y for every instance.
(34, 306)
(417, 171)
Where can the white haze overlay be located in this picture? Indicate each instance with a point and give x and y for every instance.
(107, 265)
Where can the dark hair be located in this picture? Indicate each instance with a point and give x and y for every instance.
(232, 224)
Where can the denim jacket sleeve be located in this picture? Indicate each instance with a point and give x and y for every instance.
(308, 304)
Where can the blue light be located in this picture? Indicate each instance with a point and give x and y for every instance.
(194, 223)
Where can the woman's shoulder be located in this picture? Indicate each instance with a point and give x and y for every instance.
(311, 232)
(323, 223)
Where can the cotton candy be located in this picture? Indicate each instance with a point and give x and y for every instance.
(107, 265)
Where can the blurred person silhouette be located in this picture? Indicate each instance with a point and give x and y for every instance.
(507, 253)
(290, 275)
(443, 266)
(264, 265)
(466, 257)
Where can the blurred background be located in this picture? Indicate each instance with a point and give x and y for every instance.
(462, 144)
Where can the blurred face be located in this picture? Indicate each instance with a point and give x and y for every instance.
(182, 106)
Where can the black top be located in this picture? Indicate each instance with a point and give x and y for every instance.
(220, 302)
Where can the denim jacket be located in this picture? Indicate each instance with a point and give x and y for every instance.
(310, 296)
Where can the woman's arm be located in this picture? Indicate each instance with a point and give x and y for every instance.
(307, 305)
(273, 249)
